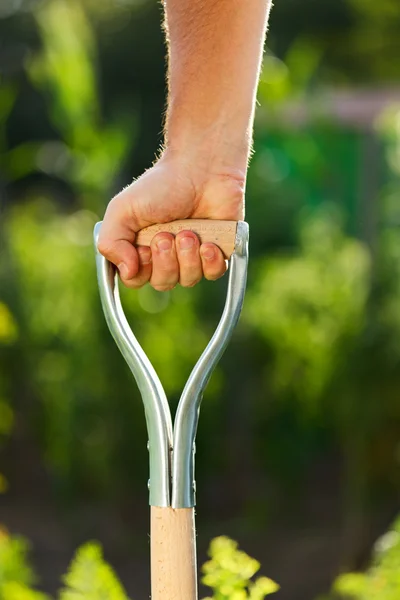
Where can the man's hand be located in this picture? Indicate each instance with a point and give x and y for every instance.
(172, 189)
(215, 50)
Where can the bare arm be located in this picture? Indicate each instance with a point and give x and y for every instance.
(215, 51)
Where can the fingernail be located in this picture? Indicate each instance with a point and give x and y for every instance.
(164, 245)
(123, 270)
(144, 255)
(186, 243)
(208, 253)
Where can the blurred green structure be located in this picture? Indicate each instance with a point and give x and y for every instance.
(81, 98)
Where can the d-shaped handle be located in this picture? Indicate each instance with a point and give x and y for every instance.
(172, 449)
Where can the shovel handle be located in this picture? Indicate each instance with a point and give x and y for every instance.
(221, 233)
(173, 554)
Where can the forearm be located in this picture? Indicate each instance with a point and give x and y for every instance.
(215, 52)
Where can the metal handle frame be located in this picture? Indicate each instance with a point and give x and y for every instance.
(172, 448)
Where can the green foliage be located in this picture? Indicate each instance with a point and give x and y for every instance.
(229, 573)
(375, 28)
(311, 306)
(8, 337)
(90, 152)
(16, 575)
(8, 326)
(91, 578)
(17, 591)
(63, 282)
(289, 78)
(13, 560)
(388, 127)
(382, 580)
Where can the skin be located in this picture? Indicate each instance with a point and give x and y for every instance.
(215, 51)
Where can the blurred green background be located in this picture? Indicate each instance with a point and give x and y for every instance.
(298, 452)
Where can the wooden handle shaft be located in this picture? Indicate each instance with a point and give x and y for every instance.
(173, 554)
(221, 233)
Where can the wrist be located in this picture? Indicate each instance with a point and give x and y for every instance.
(218, 148)
(203, 162)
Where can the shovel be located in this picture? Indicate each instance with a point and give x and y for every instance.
(172, 447)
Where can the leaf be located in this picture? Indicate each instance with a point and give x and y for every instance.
(14, 566)
(263, 587)
(8, 326)
(351, 584)
(91, 578)
(18, 591)
(230, 570)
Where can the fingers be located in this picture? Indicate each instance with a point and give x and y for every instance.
(182, 259)
(187, 248)
(166, 262)
(116, 239)
(213, 261)
(144, 272)
(165, 271)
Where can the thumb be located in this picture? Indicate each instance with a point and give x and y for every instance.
(116, 238)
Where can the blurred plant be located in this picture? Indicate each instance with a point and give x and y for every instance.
(16, 575)
(90, 152)
(329, 318)
(382, 580)
(229, 573)
(8, 326)
(91, 578)
(373, 29)
(8, 336)
(291, 77)
(88, 577)
(310, 307)
(388, 127)
(20, 161)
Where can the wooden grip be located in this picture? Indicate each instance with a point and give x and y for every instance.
(221, 233)
(173, 554)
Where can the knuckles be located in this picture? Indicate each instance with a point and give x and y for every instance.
(105, 247)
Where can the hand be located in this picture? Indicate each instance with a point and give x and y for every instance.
(171, 189)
